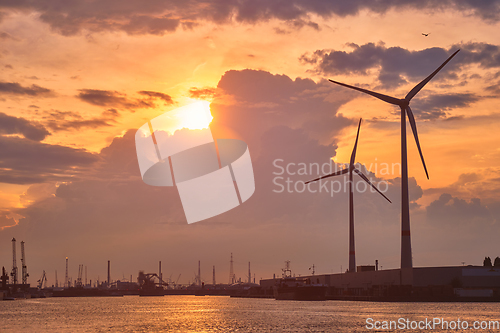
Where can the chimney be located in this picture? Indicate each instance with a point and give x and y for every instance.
(199, 273)
(159, 273)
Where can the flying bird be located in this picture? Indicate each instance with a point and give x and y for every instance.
(426, 34)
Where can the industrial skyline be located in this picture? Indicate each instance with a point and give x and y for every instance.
(79, 79)
(83, 280)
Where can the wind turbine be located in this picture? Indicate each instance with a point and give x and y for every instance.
(352, 168)
(404, 104)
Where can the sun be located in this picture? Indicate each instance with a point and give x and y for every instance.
(195, 116)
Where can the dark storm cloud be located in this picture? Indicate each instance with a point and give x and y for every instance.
(201, 93)
(484, 54)
(298, 24)
(59, 115)
(30, 130)
(436, 105)
(158, 16)
(154, 94)
(69, 120)
(15, 88)
(482, 184)
(25, 161)
(5, 36)
(107, 98)
(264, 100)
(453, 210)
(144, 24)
(359, 60)
(397, 65)
(110, 98)
(110, 113)
(78, 124)
(494, 88)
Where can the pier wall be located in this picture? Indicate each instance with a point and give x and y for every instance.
(456, 276)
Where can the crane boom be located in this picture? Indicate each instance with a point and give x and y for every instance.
(42, 280)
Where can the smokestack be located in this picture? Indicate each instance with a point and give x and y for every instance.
(159, 273)
(249, 274)
(4, 278)
(376, 265)
(109, 273)
(66, 280)
(213, 276)
(199, 273)
(231, 271)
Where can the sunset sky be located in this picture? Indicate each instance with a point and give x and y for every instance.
(78, 78)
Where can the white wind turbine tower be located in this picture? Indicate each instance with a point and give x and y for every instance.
(406, 256)
(352, 168)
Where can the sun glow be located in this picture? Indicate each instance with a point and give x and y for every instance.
(195, 116)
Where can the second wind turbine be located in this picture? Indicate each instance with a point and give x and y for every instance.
(352, 168)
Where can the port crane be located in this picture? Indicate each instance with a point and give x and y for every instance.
(177, 281)
(42, 283)
(287, 272)
(79, 282)
(146, 280)
(24, 268)
(13, 274)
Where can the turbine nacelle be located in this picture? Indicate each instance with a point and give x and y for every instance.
(351, 168)
(404, 103)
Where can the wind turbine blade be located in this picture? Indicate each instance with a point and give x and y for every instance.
(337, 173)
(385, 98)
(353, 154)
(411, 118)
(366, 180)
(419, 86)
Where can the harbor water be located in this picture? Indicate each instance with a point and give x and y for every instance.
(225, 314)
